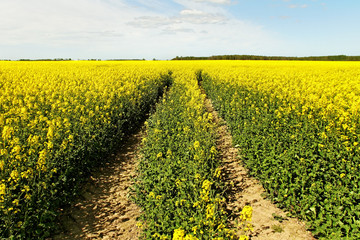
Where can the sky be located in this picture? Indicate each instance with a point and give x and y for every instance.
(164, 29)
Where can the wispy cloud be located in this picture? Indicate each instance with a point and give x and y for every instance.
(199, 17)
(150, 21)
(298, 6)
(191, 12)
(119, 29)
(177, 29)
(191, 16)
(39, 20)
(284, 17)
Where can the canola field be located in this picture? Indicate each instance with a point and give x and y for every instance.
(296, 125)
(57, 120)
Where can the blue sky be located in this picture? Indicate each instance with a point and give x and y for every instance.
(107, 29)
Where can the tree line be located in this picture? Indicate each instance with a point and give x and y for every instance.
(256, 57)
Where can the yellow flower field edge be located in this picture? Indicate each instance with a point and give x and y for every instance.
(297, 126)
(179, 186)
(57, 121)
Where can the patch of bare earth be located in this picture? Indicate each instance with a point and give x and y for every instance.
(103, 210)
(269, 221)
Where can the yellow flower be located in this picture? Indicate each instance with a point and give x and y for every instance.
(217, 172)
(243, 237)
(210, 211)
(71, 138)
(151, 195)
(178, 182)
(50, 133)
(196, 144)
(2, 189)
(2, 163)
(16, 150)
(26, 188)
(27, 196)
(7, 132)
(249, 227)
(139, 225)
(15, 202)
(156, 235)
(14, 175)
(178, 234)
(3, 151)
(190, 237)
(194, 229)
(42, 160)
(246, 213)
(213, 150)
(206, 185)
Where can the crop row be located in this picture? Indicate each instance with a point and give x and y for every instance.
(297, 127)
(179, 186)
(58, 121)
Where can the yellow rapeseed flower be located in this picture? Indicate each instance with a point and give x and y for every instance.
(246, 213)
(2, 164)
(2, 189)
(196, 144)
(178, 234)
(7, 132)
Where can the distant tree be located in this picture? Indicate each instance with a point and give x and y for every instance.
(255, 57)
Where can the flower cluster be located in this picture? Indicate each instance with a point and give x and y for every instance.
(297, 125)
(179, 164)
(56, 120)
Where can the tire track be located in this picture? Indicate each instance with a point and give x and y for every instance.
(103, 209)
(269, 222)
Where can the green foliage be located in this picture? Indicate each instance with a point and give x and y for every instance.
(256, 57)
(78, 130)
(305, 165)
(179, 186)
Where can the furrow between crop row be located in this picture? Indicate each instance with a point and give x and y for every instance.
(179, 186)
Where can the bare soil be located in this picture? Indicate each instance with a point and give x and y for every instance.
(103, 210)
(269, 222)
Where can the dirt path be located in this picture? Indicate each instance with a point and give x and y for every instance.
(270, 222)
(103, 210)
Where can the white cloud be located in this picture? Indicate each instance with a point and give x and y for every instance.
(46, 20)
(191, 16)
(200, 17)
(298, 6)
(191, 12)
(115, 29)
(151, 21)
(177, 29)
